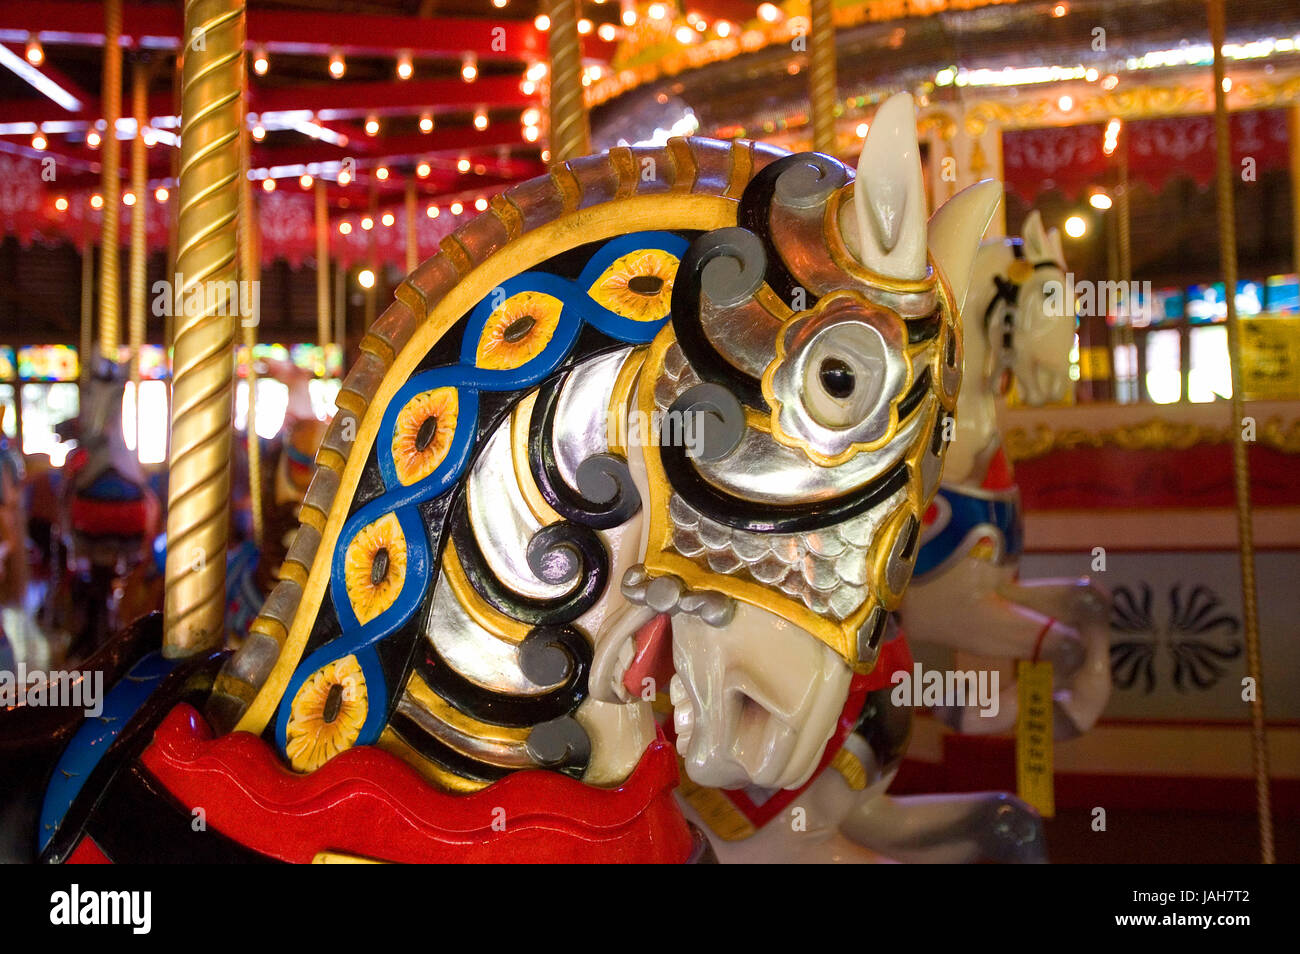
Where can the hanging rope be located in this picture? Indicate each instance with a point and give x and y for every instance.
(822, 76)
(198, 518)
(110, 304)
(1240, 458)
(570, 135)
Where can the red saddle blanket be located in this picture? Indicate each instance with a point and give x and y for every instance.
(370, 804)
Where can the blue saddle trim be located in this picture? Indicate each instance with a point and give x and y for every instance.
(962, 513)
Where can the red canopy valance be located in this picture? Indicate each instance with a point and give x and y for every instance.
(28, 210)
(1070, 159)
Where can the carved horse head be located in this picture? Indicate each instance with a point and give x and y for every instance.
(485, 564)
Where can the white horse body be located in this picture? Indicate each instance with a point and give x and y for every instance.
(1016, 324)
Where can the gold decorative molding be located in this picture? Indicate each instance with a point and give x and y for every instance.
(1154, 434)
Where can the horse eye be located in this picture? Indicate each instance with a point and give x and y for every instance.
(837, 378)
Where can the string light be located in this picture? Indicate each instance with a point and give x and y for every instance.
(684, 34)
(862, 130)
(344, 177)
(657, 11)
(1065, 103)
(128, 198)
(426, 123)
(388, 219)
(606, 32)
(532, 116)
(345, 228)
(405, 69)
(480, 203)
(305, 181)
(367, 223)
(722, 28)
(528, 87)
(93, 139)
(469, 67)
(1227, 84)
(260, 62)
(481, 120)
(1075, 226)
(542, 22)
(629, 17)
(268, 185)
(1060, 10)
(39, 142)
(259, 132)
(422, 170)
(1110, 82)
(372, 126)
(149, 136)
(366, 278)
(431, 211)
(337, 66)
(35, 53)
(768, 13)
(546, 155)
(161, 194)
(531, 133)
(1100, 201)
(457, 208)
(1112, 136)
(96, 201)
(382, 173)
(462, 165)
(536, 72)
(61, 204)
(500, 4)
(584, 26)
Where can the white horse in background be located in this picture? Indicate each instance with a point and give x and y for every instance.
(966, 593)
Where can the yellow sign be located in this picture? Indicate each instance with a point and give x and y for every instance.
(1034, 736)
(1270, 357)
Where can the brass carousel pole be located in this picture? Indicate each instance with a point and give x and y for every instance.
(1240, 458)
(198, 519)
(139, 264)
(412, 245)
(250, 275)
(372, 257)
(322, 267)
(110, 302)
(822, 76)
(570, 135)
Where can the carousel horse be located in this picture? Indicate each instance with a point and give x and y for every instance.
(966, 593)
(666, 410)
(109, 517)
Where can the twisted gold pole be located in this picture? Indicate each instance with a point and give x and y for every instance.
(570, 136)
(139, 248)
(822, 76)
(110, 304)
(1240, 458)
(199, 492)
(250, 275)
(322, 267)
(412, 245)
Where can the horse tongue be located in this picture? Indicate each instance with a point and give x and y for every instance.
(653, 658)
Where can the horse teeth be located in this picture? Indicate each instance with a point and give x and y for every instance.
(676, 690)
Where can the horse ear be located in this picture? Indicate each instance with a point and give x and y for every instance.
(1054, 246)
(889, 195)
(1035, 238)
(955, 232)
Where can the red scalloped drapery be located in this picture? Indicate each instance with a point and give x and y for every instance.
(1069, 159)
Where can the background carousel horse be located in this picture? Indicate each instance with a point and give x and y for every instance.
(109, 517)
(966, 593)
(444, 662)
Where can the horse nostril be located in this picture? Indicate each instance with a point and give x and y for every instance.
(837, 378)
